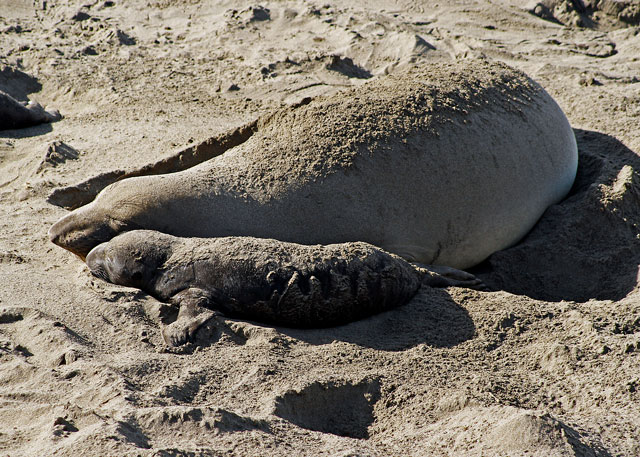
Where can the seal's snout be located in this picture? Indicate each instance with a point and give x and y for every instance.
(64, 233)
(82, 230)
(96, 261)
(70, 233)
(55, 233)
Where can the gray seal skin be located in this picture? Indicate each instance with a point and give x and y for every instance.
(265, 280)
(442, 165)
(15, 115)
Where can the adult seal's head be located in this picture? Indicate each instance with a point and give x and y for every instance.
(122, 206)
(81, 230)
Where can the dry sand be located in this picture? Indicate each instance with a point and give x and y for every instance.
(545, 364)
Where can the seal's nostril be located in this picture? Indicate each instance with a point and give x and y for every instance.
(96, 261)
(54, 235)
(58, 231)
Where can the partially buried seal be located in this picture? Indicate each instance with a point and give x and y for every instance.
(265, 280)
(441, 165)
(17, 115)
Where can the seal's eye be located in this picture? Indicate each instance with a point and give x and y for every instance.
(137, 276)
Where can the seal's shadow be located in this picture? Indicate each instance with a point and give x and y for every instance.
(588, 245)
(27, 132)
(431, 317)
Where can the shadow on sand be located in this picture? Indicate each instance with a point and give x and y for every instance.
(431, 317)
(588, 245)
(19, 85)
(26, 132)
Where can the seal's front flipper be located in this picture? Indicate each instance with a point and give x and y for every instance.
(192, 314)
(442, 276)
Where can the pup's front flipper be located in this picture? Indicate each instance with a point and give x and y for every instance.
(192, 314)
(442, 276)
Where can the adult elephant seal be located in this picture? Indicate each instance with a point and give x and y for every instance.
(444, 164)
(266, 280)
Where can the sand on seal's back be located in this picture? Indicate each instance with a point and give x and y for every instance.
(444, 164)
(295, 145)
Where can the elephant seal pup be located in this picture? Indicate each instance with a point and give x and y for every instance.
(270, 281)
(15, 115)
(442, 165)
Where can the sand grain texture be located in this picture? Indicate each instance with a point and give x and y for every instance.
(547, 363)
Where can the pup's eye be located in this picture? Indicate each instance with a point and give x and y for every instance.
(137, 276)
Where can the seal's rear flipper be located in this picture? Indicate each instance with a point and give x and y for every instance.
(75, 196)
(53, 115)
(442, 276)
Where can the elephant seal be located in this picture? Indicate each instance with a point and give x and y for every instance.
(266, 280)
(444, 164)
(15, 115)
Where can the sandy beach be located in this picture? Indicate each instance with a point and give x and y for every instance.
(545, 362)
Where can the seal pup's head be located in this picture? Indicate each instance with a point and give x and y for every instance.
(131, 259)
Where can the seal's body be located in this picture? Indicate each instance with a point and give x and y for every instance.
(261, 279)
(444, 165)
(15, 115)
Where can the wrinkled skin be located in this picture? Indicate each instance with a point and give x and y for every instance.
(261, 279)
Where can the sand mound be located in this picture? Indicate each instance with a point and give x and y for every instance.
(590, 13)
(594, 233)
(515, 432)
